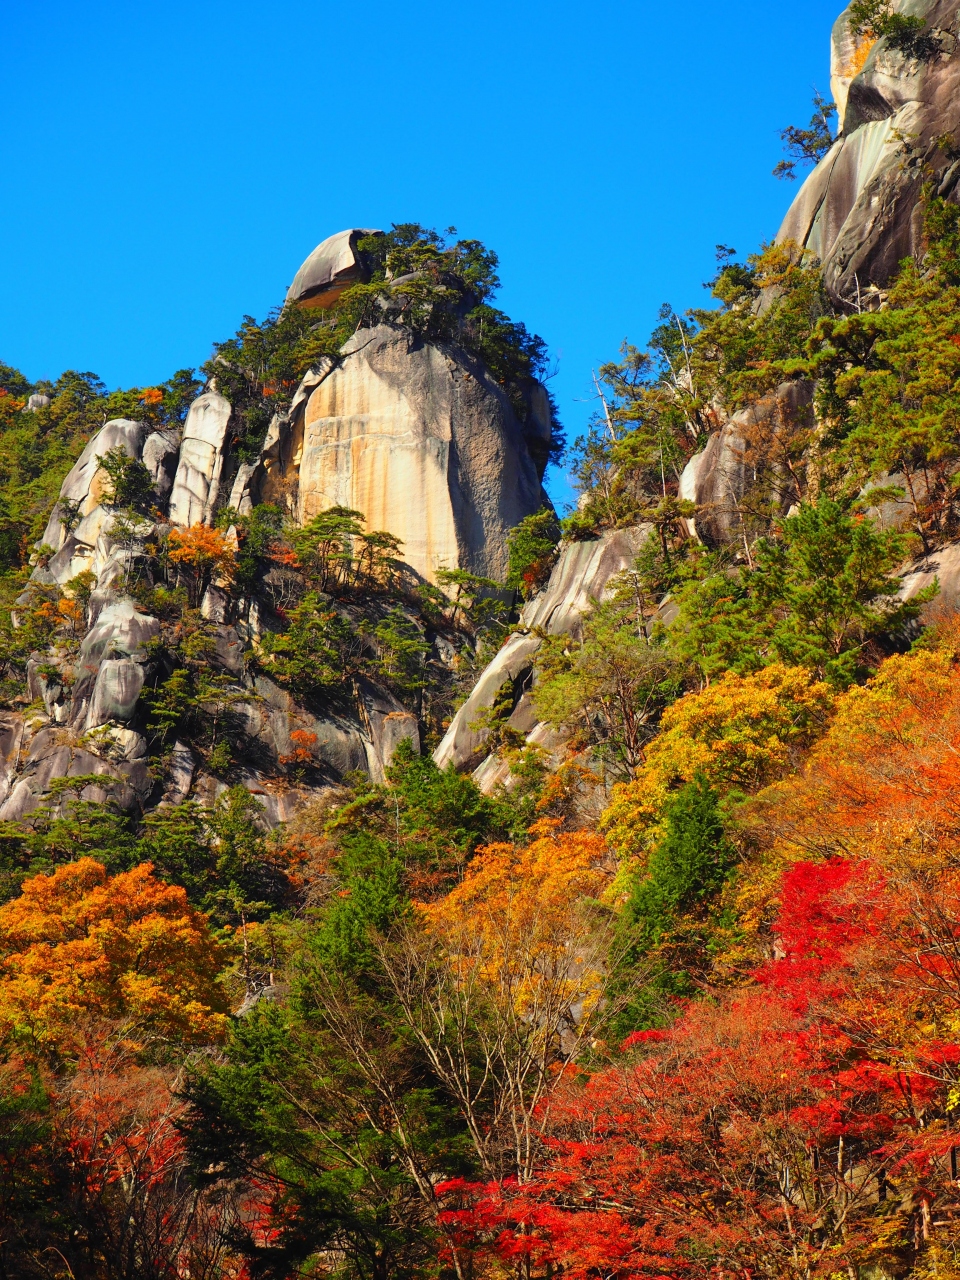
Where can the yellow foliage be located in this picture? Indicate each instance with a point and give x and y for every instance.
(740, 732)
(518, 916)
(81, 943)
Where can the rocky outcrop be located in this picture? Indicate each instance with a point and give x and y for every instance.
(580, 578)
(160, 456)
(419, 438)
(203, 457)
(858, 211)
(415, 435)
(747, 447)
(333, 267)
(83, 491)
(942, 567)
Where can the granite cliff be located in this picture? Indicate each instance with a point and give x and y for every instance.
(410, 430)
(759, 455)
(858, 211)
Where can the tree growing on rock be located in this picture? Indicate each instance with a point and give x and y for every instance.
(202, 554)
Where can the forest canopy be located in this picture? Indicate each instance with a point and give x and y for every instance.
(677, 994)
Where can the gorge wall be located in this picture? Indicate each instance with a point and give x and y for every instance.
(858, 211)
(414, 434)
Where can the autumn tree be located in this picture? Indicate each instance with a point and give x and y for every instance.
(203, 555)
(79, 942)
(738, 734)
(501, 983)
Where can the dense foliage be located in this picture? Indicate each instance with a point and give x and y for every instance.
(681, 999)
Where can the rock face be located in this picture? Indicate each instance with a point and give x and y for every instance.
(717, 478)
(196, 484)
(420, 439)
(941, 566)
(415, 435)
(86, 484)
(579, 579)
(858, 210)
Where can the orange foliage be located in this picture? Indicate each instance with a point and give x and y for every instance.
(72, 614)
(151, 395)
(203, 550)
(303, 744)
(884, 782)
(519, 907)
(81, 943)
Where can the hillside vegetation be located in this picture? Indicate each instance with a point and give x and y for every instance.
(422, 1031)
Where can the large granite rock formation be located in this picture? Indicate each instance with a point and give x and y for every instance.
(858, 210)
(415, 435)
(333, 267)
(419, 438)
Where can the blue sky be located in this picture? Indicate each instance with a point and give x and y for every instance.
(166, 167)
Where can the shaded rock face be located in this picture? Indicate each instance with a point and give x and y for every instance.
(420, 439)
(858, 210)
(718, 477)
(580, 578)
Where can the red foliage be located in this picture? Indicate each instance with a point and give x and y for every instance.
(763, 1133)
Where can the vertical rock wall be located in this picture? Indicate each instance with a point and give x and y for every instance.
(858, 210)
(420, 439)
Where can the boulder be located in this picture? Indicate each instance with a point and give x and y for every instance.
(118, 633)
(196, 485)
(579, 579)
(463, 744)
(388, 724)
(116, 691)
(420, 439)
(858, 212)
(272, 715)
(37, 401)
(332, 268)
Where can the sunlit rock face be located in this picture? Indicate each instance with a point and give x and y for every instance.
(415, 435)
(858, 212)
(203, 455)
(581, 577)
(420, 439)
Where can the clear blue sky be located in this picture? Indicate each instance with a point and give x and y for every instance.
(167, 166)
